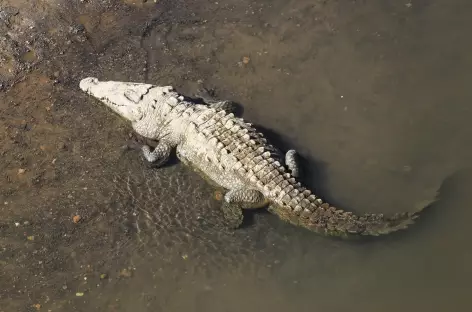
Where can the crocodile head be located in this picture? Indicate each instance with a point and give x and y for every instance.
(144, 105)
(125, 98)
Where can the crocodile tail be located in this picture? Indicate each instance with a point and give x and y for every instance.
(328, 220)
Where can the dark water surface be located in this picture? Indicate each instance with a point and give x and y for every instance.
(375, 95)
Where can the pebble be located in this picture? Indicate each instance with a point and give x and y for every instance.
(125, 273)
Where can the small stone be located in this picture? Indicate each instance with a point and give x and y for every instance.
(246, 60)
(218, 195)
(21, 171)
(103, 276)
(125, 273)
(30, 238)
(76, 218)
(79, 294)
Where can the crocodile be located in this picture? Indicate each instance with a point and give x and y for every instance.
(231, 154)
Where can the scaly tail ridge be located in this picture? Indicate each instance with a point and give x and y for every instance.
(326, 219)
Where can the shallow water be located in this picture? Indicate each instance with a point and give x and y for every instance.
(373, 95)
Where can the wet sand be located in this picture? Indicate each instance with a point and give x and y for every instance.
(374, 96)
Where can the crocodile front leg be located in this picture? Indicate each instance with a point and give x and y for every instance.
(238, 199)
(292, 162)
(208, 97)
(160, 154)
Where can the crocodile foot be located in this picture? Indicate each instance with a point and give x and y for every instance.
(208, 96)
(238, 199)
(159, 156)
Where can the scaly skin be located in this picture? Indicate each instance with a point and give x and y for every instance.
(231, 154)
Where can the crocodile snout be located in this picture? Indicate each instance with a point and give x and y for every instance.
(86, 83)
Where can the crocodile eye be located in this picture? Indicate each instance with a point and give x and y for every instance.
(133, 96)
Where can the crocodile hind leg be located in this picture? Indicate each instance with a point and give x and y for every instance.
(238, 199)
(292, 162)
(159, 156)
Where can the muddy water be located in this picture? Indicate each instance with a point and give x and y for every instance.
(374, 96)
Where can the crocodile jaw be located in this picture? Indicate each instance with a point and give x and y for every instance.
(125, 98)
